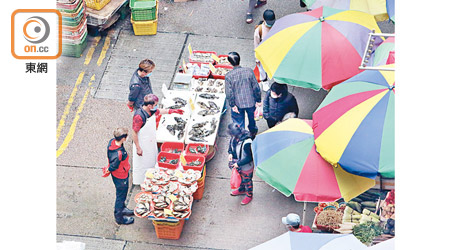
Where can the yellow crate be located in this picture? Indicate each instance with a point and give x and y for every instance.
(144, 27)
(97, 4)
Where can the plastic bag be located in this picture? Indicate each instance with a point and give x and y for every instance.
(258, 113)
(105, 171)
(235, 180)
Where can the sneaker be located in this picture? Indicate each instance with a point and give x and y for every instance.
(125, 221)
(128, 212)
(236, 192)
(246, 200)
(265, 86)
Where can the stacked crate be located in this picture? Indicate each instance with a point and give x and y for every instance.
(97, 4)
(144, 16)
(74, 26)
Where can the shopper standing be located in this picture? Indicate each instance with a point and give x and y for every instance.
(118, 167)
(140, 84)
(243, 93)
(145, 149)
(240, 157)
(252, 5)
(260, 33)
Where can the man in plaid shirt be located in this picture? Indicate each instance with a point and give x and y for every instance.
(243, 93)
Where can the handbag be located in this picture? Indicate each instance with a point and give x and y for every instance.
(105, 171)
(235, 180)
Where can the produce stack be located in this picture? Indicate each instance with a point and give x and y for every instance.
(74, 26)
(144, 16)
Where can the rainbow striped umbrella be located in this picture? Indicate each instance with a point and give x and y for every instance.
(285, 157)
(354, 125)
(316, 49)
(377, 8)
(390, 6)
(384, 52)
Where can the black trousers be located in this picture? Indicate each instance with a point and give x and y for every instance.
(121, 196)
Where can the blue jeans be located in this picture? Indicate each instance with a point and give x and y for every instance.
(240, 118)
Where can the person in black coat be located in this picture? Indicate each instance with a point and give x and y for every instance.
(278, 103)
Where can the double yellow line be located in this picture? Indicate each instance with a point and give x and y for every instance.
(80, 78)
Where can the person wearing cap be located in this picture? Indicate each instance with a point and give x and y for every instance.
(144, 136)
(252, 5)
(260, 33)
(278, 104)
(292, 222)
(140, 84)
(240, 157)
(118, 166)
(243, 93)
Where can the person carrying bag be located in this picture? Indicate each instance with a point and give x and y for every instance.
(241, 161)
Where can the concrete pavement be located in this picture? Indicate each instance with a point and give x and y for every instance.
(85, 200)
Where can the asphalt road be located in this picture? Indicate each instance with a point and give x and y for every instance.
(91, 97)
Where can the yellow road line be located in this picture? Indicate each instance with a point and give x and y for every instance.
(69, 135)
(69, 104)
(91, 50)
(104, 50)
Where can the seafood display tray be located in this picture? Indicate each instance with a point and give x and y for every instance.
(204, 85)
(162, 133)
(209, 140)
(167, 101)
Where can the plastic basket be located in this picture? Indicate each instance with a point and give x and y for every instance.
(198, 195)
(142, 28)
(201, 51)
(82, 5)
(167, 146)
(223, 56)
(74, 22)
(75, 33)
(68, 8)
(169, 156)
(195, 145)
(143, 10)
(168, 230)
(74, 50)
(190, 158)
(97, 4)
(221, 76)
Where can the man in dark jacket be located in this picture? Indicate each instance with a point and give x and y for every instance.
(140, 85)
(278, 103)
(243, 93)
(118, 167)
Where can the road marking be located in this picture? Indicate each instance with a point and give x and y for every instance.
(91, 50)
(69, 105)
(73, 126)
(104, 50)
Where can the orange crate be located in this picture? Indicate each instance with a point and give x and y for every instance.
(97, 4)
(198, 195)
(168, 230)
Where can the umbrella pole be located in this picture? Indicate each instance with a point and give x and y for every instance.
(304, 213)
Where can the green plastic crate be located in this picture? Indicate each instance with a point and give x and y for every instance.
(143, 10)
(75, 50)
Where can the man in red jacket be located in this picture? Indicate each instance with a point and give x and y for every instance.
(118, 167)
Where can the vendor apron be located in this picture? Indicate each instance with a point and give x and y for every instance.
(147, 140)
